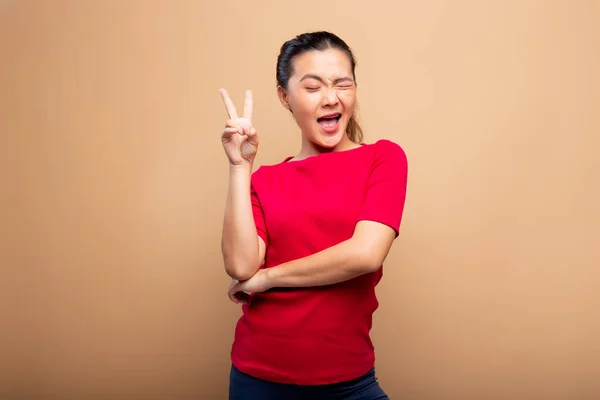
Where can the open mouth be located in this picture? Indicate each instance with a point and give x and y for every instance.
(330, 122)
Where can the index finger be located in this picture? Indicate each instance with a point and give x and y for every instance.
(248, 104)
(228, 104)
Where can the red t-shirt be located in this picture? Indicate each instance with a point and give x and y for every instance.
(318, 335)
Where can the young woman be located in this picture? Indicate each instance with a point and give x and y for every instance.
(305, 239)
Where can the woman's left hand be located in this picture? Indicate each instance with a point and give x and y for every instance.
(239, 292)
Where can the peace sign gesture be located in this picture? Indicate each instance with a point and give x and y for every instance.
(239, 137)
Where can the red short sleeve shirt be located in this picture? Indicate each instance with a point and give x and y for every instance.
(318, 335)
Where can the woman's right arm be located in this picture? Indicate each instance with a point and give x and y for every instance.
(243, 250)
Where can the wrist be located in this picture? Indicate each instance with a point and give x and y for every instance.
(245, 167)
(270, 277)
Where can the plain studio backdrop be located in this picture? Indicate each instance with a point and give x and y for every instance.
(114, 182)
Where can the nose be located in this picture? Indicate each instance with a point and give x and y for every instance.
(330, 97)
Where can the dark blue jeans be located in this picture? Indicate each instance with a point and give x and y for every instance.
(246, 387)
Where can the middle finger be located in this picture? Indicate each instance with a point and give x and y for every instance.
(228, 104)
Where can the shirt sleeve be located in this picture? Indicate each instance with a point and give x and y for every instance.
(386, 187)
(259, 215)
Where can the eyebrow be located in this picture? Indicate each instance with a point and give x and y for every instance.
(318, 78)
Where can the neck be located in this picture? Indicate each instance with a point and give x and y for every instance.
(310, 149)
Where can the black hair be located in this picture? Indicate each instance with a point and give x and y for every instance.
(315, 41)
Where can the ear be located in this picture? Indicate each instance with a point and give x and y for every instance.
(283, 98)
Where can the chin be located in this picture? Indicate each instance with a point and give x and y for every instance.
(329, 141)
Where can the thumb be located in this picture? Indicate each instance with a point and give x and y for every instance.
(252, 136)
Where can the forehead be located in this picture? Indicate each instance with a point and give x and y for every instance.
(330, 63)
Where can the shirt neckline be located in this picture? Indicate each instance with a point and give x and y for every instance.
(320, 155)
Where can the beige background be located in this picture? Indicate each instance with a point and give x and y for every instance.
(114, 180)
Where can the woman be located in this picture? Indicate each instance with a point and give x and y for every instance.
(305, 239)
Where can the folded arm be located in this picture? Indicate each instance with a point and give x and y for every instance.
(363, 253)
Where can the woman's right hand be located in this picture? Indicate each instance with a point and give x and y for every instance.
(239, 138)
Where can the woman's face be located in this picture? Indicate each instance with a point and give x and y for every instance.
(322, 95)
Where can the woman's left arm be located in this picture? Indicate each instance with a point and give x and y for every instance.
(363, 253)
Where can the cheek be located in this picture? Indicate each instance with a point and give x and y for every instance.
(305, 104)
(348, 98)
